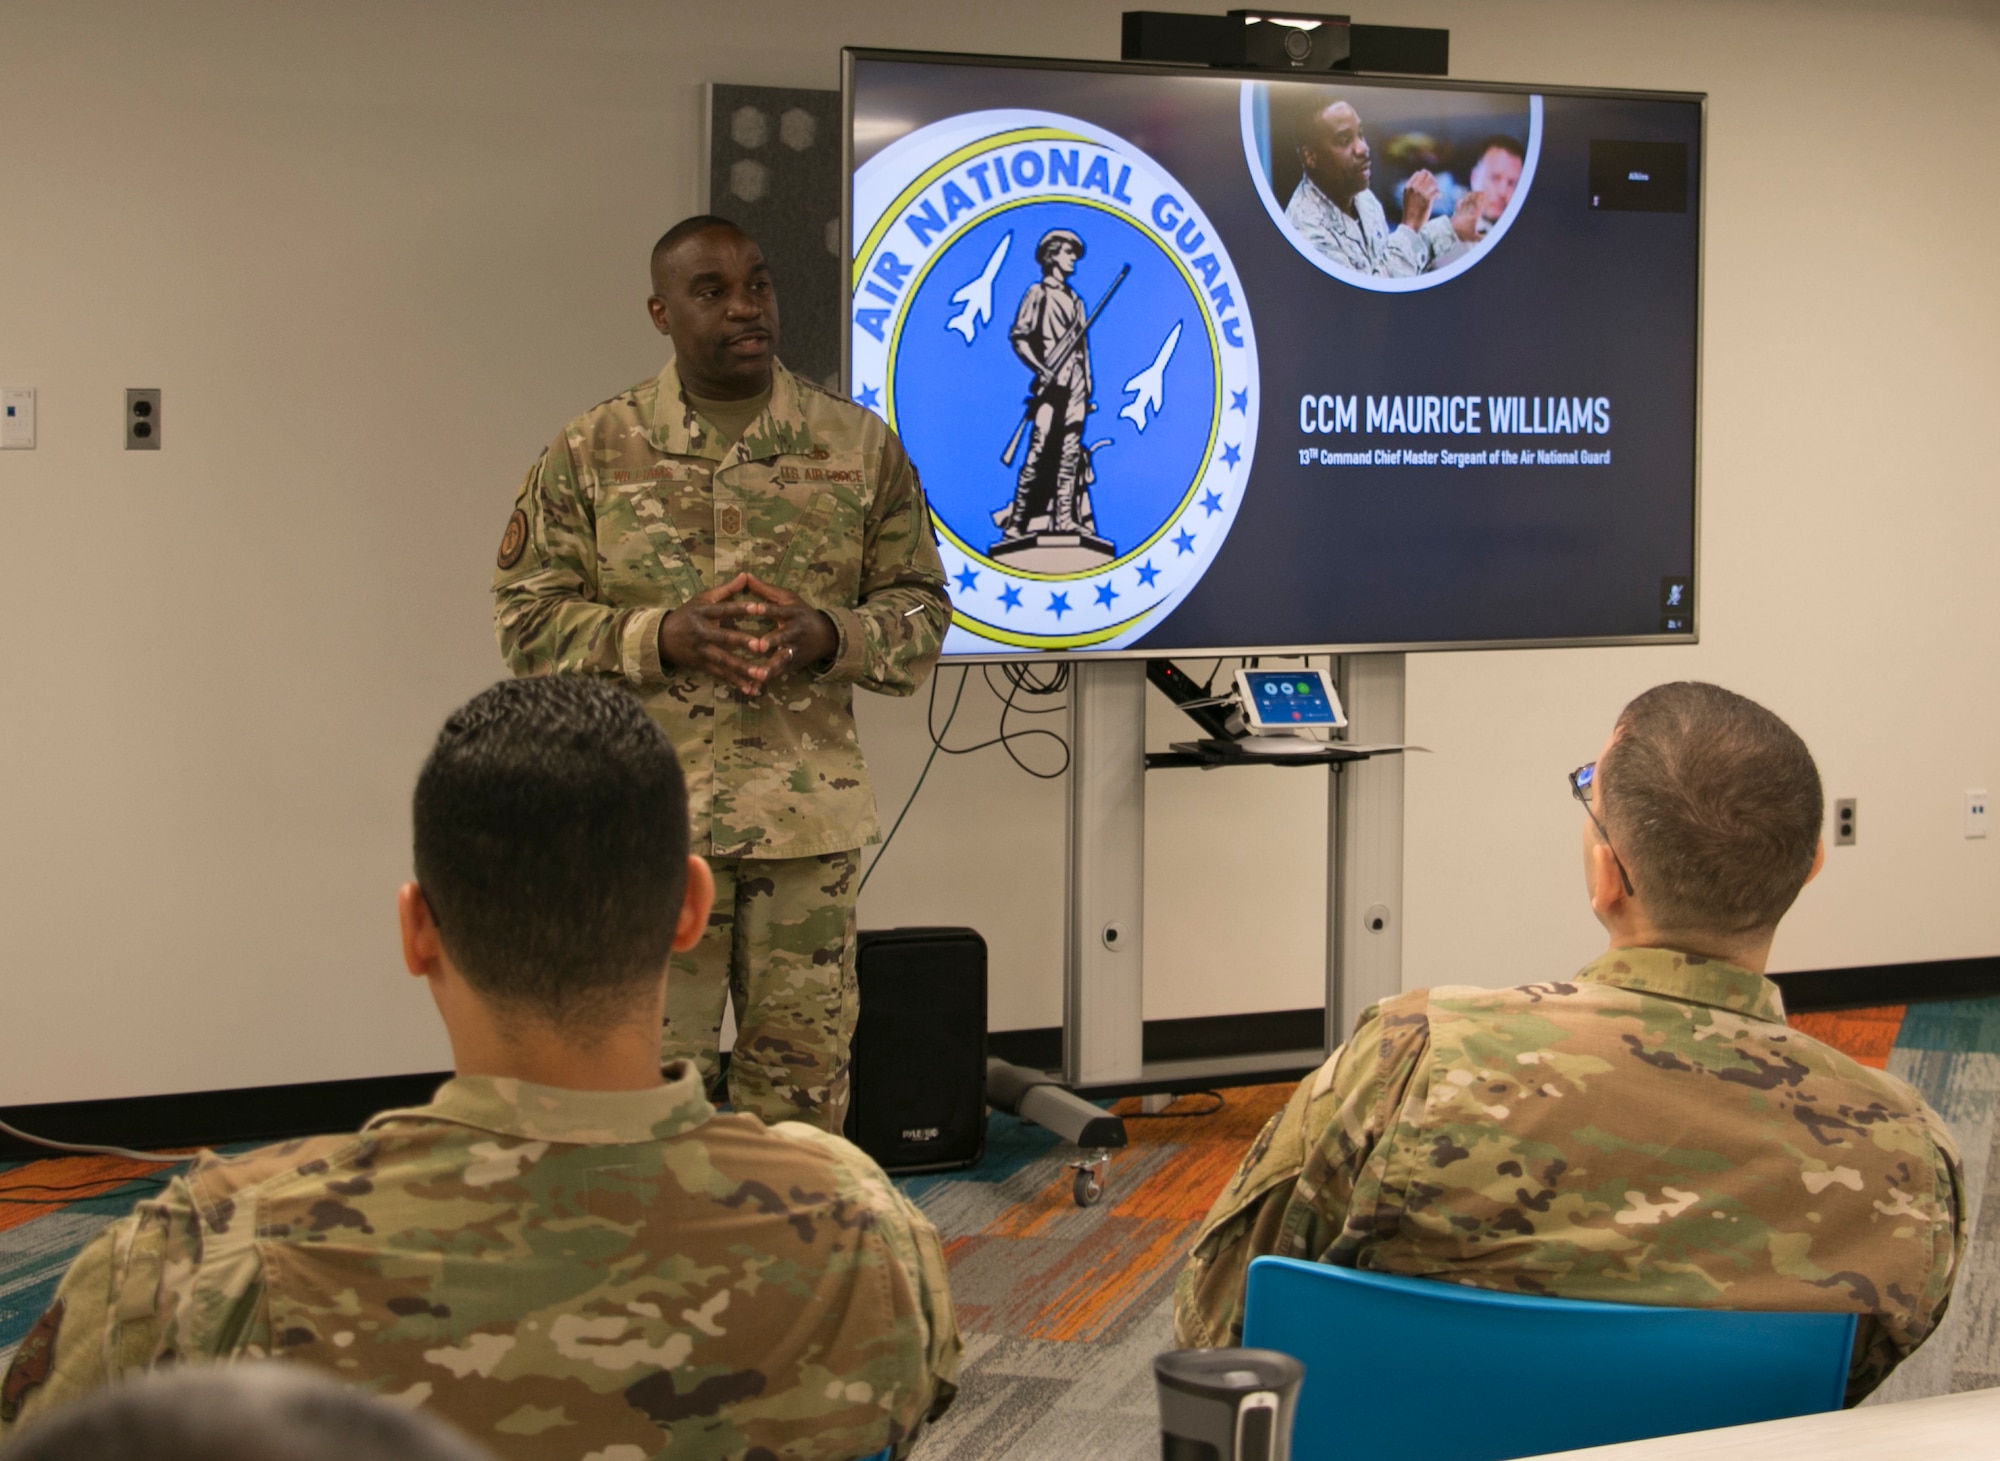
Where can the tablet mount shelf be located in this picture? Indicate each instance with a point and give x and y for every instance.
(1211, 752)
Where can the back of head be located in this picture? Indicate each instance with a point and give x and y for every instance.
(551, 844)
(1715, 805)
(244, 1412)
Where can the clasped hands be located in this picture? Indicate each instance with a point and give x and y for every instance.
(708, 633)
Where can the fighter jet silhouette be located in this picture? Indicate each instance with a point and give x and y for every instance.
(977, 297)
(1150, 384)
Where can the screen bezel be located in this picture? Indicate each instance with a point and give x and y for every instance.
(850, 55)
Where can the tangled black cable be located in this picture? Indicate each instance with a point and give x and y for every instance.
(1021, 680)
(910, 801)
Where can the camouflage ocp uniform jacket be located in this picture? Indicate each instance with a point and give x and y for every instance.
(1650, 1132)
(558, 1273)
(637, 507)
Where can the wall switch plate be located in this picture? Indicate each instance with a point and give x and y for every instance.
(1843, 822)
(17, 418)
(1975, 814)
(142, 420)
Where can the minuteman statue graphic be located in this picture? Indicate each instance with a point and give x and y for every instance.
(1075, 507)
(1051, 335)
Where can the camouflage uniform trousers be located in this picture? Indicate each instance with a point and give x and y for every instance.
(780, 950)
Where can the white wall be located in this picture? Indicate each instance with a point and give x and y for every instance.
(376, 253)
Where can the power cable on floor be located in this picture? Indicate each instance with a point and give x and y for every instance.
(1215, 1096)
(89, 1149)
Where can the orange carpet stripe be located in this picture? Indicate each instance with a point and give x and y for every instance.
(1097, 1297)
(1866, 1034)
(1185, 1189)
(43, 1187)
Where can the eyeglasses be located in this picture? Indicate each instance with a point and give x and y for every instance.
(1581, 782)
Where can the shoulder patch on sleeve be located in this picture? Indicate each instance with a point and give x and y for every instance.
(32, 1361)
(514, 542)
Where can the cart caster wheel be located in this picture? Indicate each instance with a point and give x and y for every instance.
(1088, 1186)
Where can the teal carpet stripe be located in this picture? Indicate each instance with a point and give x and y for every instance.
(1957, 1026)
(34, 1256)
(1950, 1051)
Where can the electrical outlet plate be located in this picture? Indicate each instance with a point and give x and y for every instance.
(1975, 814)
(1843, 822)
(142, 420)
(17, 418)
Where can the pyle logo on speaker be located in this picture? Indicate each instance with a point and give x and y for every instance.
(921, 1133)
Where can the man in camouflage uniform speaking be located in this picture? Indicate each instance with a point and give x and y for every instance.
(742, 549)
(1649, 1131)
(568, 1252)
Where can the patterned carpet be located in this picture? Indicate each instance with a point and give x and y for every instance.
(1064, 1307)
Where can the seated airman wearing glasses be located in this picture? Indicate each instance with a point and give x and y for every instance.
(1646, 1131)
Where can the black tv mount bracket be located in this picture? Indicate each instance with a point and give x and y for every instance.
(1212, 715)
(1301, 42)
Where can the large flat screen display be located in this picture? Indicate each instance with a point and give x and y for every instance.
(1194, 362)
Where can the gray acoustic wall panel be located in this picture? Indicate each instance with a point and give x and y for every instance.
(774, 168)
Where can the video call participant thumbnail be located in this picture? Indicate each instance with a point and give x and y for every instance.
(1647, 1131)
(1333, 211)
(1495, 177)
(568, 1251)
(743, 549)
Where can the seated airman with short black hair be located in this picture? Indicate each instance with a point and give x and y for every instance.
(565, 1253)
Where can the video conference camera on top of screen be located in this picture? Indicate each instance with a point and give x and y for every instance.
(1283, 40)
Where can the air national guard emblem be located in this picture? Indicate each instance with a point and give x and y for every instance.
(1056, 332)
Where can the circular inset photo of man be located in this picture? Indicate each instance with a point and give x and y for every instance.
(1390, 188)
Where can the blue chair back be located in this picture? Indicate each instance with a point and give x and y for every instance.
(1436, 1371)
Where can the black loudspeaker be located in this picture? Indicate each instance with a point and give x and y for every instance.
(917, 1097)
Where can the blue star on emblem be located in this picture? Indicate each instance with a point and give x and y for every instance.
(1211, 504)
(1059, 604)
(1240, 401)
(1231, 455)
(1106, 593)
(868, 396)
(1010, 597)
(1147, 573)
(967, 579)
(1184, 540)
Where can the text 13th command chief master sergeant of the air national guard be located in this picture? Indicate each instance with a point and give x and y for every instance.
(742, 549)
